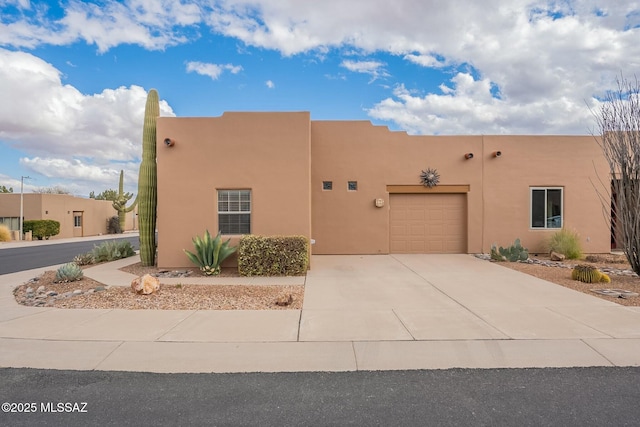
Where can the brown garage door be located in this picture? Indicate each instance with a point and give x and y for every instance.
(428, 223)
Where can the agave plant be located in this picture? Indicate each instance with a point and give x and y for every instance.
(69, 272)
(210, 253)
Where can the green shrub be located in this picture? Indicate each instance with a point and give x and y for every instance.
(41, 228)
(69, 273)
(210, 253)
(112, 250)
(5, 233)
(567, 243)
(515, 252)
(113, 225)
(273, 256)
(84, 259)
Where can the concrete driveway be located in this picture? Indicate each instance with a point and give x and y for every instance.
(360, 313)
(435, 297)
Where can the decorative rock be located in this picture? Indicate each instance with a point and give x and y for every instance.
(29, 290)
(145, 285)
(285, 300)
(172, 274)
(52, 293)
(555, 256)
(100, 288)
(77, 292)
(40, 289)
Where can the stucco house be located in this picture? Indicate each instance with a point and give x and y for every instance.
(77, 216)
(355, 188)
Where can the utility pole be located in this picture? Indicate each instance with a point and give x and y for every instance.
(22, 178)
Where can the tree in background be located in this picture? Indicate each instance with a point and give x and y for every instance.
(56, 189)
(619, 124)
(4, 189)
(111, 195)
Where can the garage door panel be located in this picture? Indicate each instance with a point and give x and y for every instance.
(428, 223)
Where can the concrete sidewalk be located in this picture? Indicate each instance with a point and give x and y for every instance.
(379, 312)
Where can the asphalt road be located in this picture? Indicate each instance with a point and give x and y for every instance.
(28, 257)
(510, 397)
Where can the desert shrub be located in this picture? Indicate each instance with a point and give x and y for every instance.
(513, 253)
(69, 273)
(210, 253)
(5, 233)
(273, 256)
(83, 259)
(567, 243)
(113, 225)
(41, 228)
(112, 250)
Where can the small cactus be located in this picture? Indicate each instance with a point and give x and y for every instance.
(515, 252)
(589, 274)
(69, 272)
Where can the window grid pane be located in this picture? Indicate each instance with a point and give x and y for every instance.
(234, 211)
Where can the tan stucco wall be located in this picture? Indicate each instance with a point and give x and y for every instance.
(348, 222)
(284, 158)
(574, 163)
(499, 187)
(268, 153)
(60, 207)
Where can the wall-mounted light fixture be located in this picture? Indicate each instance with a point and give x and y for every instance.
(468, 156)
(378, 203)
(497, 153)
(169, 142)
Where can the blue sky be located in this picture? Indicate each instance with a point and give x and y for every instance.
(74, 74)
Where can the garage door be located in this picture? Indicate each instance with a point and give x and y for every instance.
(428, 223)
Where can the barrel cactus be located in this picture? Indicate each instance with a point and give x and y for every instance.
(147, 182)
(120, 203)
(589, 274)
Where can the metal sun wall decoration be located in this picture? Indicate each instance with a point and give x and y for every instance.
(430, 178)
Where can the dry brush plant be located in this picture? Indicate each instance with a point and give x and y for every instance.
(619, 123)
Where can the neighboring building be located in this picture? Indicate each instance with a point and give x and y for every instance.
(356, 188)
(78, 217)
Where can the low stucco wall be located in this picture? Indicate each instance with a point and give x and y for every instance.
(61, 208)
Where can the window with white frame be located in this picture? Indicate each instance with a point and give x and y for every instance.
(234, 211)
(546, 207)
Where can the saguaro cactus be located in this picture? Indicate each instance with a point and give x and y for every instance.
(120, 203)
(148, 181)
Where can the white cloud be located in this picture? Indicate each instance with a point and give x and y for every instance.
(69, 134)
(212, 70)
(270, 84)
(429, 61)
(373, 68)
(538, 54)
(544, 58)
(152, 24)
(467, 106)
